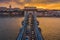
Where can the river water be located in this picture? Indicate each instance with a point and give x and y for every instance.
(10, 26)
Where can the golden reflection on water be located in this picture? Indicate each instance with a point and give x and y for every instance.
(10, 27)
(50, 28)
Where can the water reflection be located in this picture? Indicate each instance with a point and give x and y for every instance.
(50, 28)
(9, 28)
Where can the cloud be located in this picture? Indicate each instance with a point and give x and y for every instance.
(31, 1)
(50, 1)
(2, 1)
(50, 4)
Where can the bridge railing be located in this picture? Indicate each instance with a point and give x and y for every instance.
(38, 33)
(20, 35)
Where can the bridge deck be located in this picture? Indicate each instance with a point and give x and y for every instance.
(30, 29)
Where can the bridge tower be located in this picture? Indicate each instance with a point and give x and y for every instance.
(30, 10)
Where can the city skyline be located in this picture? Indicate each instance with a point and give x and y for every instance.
(46, 4)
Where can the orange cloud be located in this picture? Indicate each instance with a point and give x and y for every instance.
(41, 5)
(54, 6)
(46, 6)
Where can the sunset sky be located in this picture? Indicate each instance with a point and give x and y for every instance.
(46, 4)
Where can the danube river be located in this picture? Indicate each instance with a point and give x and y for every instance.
(9, 27)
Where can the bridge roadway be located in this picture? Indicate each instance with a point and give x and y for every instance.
(29, 31)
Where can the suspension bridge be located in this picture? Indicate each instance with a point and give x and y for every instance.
(30, 30)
